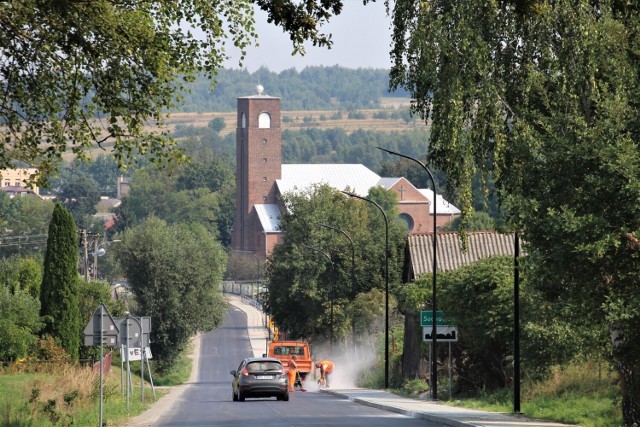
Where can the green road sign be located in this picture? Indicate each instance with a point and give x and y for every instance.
(426, 318)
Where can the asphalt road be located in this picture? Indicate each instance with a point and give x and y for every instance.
(207, 401)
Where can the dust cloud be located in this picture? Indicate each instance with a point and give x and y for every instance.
(349, 364)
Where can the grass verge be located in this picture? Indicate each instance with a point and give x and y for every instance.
(61, 395)
(577, 394)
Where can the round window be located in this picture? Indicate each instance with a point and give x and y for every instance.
(407, 220)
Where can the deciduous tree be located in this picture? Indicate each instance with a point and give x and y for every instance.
(314, 264)
(175, 272)
(77, 74)
(542, 95)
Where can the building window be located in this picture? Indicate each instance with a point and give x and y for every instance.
(264, 179)
(7, 183)
(407, 220)
(264, 160)
(243, 121)
(264, 121)
(264, 141)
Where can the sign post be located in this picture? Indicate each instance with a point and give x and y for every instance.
(443, 330)
(101, 330)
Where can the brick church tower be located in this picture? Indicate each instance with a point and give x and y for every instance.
(258, 166)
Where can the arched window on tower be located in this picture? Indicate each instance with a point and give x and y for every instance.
(264, 121)
(243, 121)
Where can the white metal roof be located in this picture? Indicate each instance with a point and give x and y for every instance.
(269, 216)
(357, 178)
(444, 207)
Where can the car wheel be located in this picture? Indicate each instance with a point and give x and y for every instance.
(240, 396)
(235, 397)
(285, 397)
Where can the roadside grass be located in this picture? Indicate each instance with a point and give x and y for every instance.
(585, 394)
(179, 374)
(576, 394)
(63, 395)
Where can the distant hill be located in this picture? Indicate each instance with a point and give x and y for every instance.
(313, 88)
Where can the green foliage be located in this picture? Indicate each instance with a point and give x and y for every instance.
(311, 278)
(23, 225)
(174, 272)
(90, 296)
(415, 386)
(200, 192)
(580, 394)
(313, 88)
(545, 104)
(317, 145)
(477, 221)
(79, 194)
(103, 171)
(59, 290)
(19, 324)
(23, 274)
(217, 124)
(124, 64)
(479, 300)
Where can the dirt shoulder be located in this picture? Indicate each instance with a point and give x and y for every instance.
(164, 405)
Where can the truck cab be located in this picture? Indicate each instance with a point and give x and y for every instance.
(284, 350)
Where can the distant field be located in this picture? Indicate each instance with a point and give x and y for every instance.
(315, 118)
(321, 119)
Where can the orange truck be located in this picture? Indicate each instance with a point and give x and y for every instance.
(283, 350)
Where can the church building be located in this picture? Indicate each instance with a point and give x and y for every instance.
(261, 178)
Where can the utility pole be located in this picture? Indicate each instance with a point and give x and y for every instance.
(85, 248)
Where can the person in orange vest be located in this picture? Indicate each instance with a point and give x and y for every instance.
(293, 369)
(326, 368)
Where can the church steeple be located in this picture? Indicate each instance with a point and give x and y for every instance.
(258, 165)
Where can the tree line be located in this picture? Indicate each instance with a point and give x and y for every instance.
(313, 88)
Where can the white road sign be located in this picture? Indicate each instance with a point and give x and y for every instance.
(135, 353)
(444, 333)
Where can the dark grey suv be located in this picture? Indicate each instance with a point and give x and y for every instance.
(260, 377)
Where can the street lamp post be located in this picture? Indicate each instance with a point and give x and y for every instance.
(516, 325)
(332, 295)
(353, 265)
(386, 285)
(434, 372)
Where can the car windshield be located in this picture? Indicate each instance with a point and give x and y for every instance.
(263, 367)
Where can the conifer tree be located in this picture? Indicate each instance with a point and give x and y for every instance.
(59, 290)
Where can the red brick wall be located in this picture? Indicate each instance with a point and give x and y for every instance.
(258, 165)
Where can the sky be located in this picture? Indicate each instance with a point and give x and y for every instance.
(361, 39)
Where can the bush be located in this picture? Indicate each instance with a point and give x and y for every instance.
(416, 386)
(357, 115)
(49, 348)
(19, 324)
